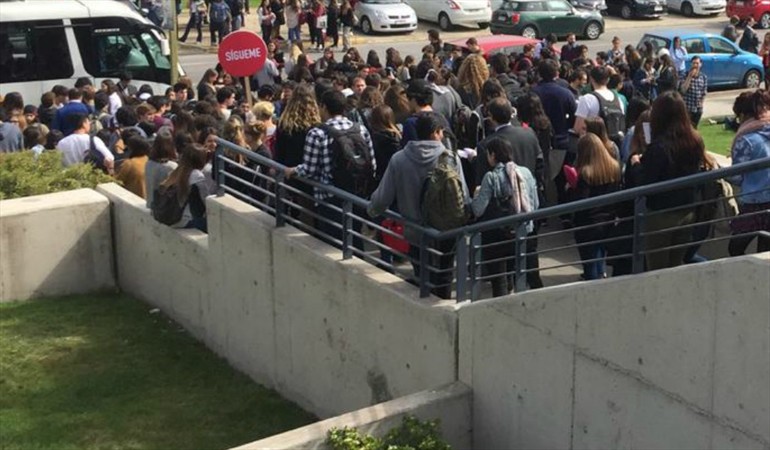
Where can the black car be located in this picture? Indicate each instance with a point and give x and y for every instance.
(629, 9)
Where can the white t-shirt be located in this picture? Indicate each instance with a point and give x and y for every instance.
(75, 147)
(588, 105)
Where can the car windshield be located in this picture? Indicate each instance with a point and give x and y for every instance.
(380, 2)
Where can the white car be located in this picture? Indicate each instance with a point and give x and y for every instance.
(697, 7)
(468, 13)
(385, 16)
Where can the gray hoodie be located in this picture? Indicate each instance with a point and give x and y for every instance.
(404, 178)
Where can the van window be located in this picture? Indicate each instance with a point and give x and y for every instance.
(109, 49)
(34, 51)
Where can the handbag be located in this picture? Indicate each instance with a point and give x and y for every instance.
(400, 245)
(322, 21)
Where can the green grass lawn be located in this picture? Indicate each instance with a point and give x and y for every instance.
(716, 138)
(103, 372)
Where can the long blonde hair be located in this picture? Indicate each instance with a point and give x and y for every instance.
(301, 112)
(594, 164)
(473, 73)
(233, 132)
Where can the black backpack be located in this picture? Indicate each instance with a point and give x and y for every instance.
(166, 208)
(94, 157)
(352, 164)
(614, 118)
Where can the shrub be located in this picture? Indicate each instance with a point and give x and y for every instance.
(412, 434)
(22, 175)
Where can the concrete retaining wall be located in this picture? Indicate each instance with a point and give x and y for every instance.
(331, 335)
(55, 244)
(450, 404)
(671, 359)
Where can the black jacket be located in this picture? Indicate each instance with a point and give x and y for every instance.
(386, 144)
(526, 150)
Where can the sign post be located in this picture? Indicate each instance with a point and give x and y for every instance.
(242, 54)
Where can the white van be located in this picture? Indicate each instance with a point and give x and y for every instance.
(48, 42)
(468, 13)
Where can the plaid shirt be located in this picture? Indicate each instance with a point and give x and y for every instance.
(695, 94)
(317, 159)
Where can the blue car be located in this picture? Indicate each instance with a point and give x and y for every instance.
(723, 62)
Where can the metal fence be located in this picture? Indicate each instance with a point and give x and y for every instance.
(464, 260)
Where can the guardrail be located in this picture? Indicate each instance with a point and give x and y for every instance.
(461, 257)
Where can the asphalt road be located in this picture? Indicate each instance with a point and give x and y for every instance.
(196, 59)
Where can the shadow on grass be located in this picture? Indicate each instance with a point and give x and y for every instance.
(103, 372)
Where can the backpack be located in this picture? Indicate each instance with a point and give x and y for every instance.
(614, 117)
(352, 164)
(165, 205)
(442, 203)
(219, 12)
(462, 129)
(94, 157)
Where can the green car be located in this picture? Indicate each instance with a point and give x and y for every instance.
(537, 18)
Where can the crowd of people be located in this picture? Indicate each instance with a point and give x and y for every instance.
(503, 135)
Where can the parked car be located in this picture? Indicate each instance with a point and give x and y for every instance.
(629, 9)
(490, 45)
(691, 8)
(468, 13)
(723, 62)
(536, 18)
(385, 16)
(758, 9)
(601, 5)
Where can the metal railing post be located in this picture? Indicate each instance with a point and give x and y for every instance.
(475, 266)
(520, 277)
(423, 265)
(637, 255)
(280, 206)
(347, 227)
(462, 267)
(219, 166)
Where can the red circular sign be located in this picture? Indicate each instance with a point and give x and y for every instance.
(242, 53)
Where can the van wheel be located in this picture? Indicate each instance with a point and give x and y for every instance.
(626, 12)
(484, 25)
(444, 23)
(593, 31)
(687, 9)
(366, 25)
(529, 32)
(752, 79)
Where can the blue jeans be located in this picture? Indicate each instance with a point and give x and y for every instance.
(593, 270)
(294, 34)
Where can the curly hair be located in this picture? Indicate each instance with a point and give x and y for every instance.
(472, 74)
(301, 111)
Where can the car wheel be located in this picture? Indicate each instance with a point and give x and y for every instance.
(764, 21)
(484, 25)
(593, 30)
(752, 79)
(687, 9)
(444, 23)
(626, 12)
(366, 25)
(529, 32)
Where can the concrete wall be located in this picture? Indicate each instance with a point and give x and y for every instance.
(671, 359)
(450, 404)
(55, 244)
(332, 335)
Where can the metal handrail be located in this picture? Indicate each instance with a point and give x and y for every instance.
(467, 244)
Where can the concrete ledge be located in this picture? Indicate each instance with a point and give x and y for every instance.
(675, 358)
(55, 244)
(451, 404)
